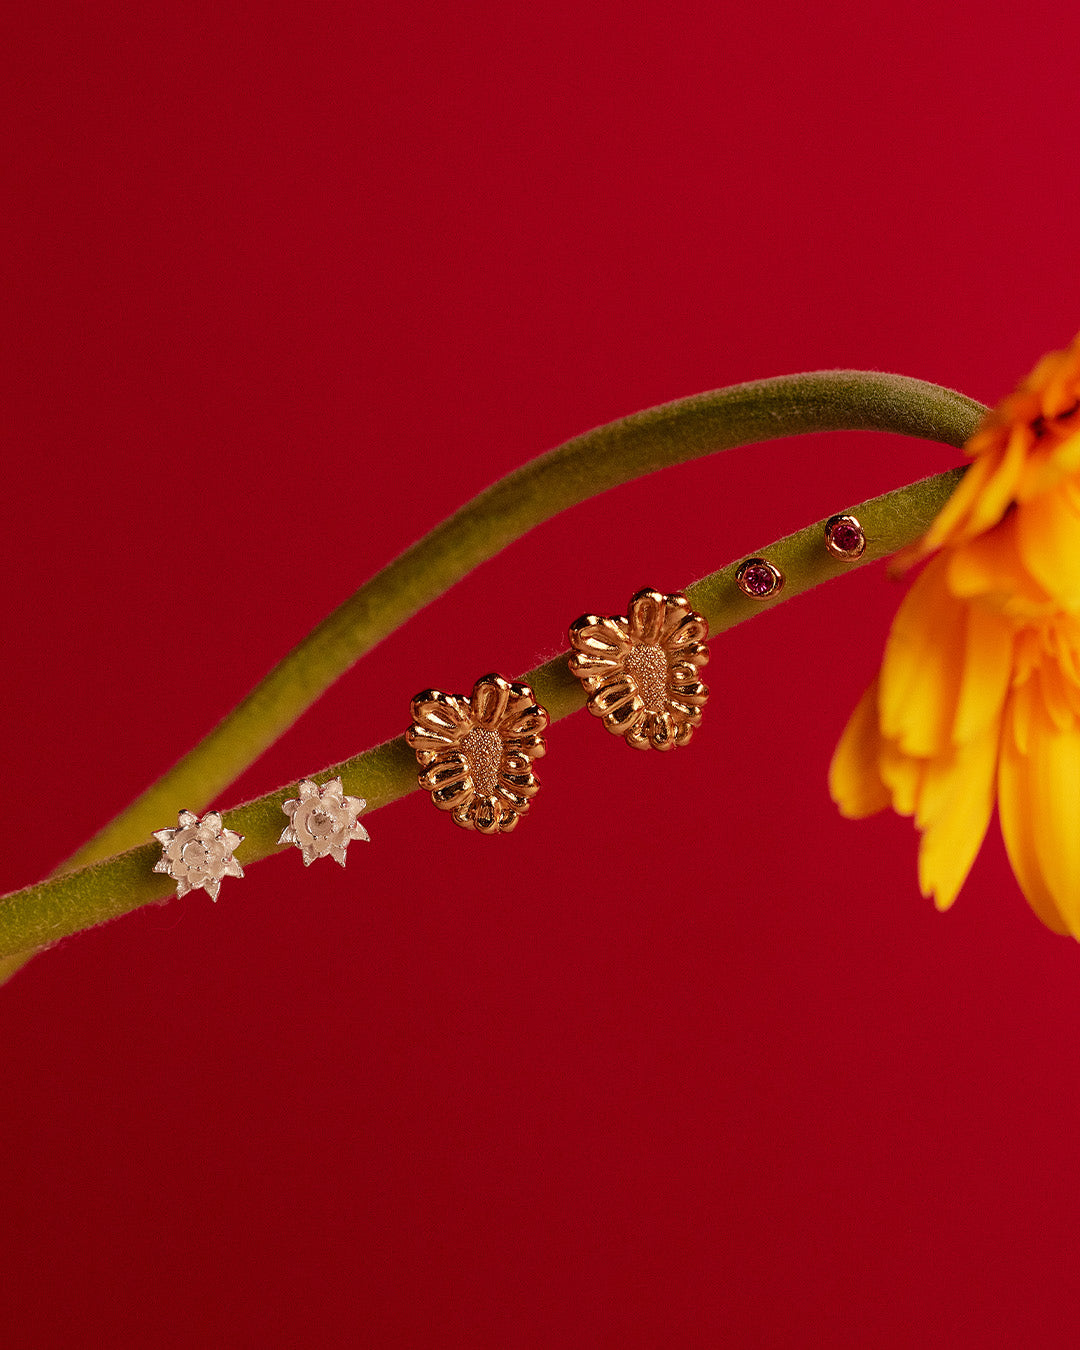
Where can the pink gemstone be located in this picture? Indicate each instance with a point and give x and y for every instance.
(758, 580)
(847, 537)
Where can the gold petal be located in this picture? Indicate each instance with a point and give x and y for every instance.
(515, 800)
(521, 703)
(521, 784)
(531, 719)
(484, 813)
(624, 716)
(854, 777)
(428, 745)
(531, 746)
(596, 636)
(450, 795)
(612, 695)
(447, 769)
(683, 713)
(638, 734)
(443, 716)
(586, 665)
(676, 609)
(645, 617)
(661, 731)
(490, 695)
(694, 692)
(691, 630)
(694, 654)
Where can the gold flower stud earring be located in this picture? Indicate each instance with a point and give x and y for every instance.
(198, 853)
(641, 672)
(322, 821)
(475, 754)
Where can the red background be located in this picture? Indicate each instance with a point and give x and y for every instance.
(686, 1061)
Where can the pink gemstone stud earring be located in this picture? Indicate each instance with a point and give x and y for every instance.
(758, 578)
(844, 538)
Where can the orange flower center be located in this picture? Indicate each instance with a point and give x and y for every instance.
(649, 668)
(483, 750)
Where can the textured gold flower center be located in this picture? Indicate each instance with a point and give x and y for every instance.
(649, 668)
(483, 750)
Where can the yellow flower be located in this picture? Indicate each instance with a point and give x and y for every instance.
(1026, 454)
(978, 698)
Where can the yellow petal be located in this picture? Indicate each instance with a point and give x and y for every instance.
(956, 799)
(950, 519)
(991, 566)
(1018, 827)
(1054, 693)
(1053, 778)
(1021, 716)
(1000, 491)
(1048, 539)
(920, 672)
(902, 775)
(854, 781)
(988, 659)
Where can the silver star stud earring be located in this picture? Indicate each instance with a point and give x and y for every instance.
(198, 853)
(323, 821)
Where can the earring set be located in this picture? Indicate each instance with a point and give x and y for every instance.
(198, 854)
(640, 672)
(476, 754)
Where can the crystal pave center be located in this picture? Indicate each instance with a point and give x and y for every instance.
(649, 668)
(483, 750)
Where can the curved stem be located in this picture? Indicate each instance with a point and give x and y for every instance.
(832, 400)
(41, 914)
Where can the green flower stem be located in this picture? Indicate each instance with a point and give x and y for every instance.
(831, 400)
(41, 914)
